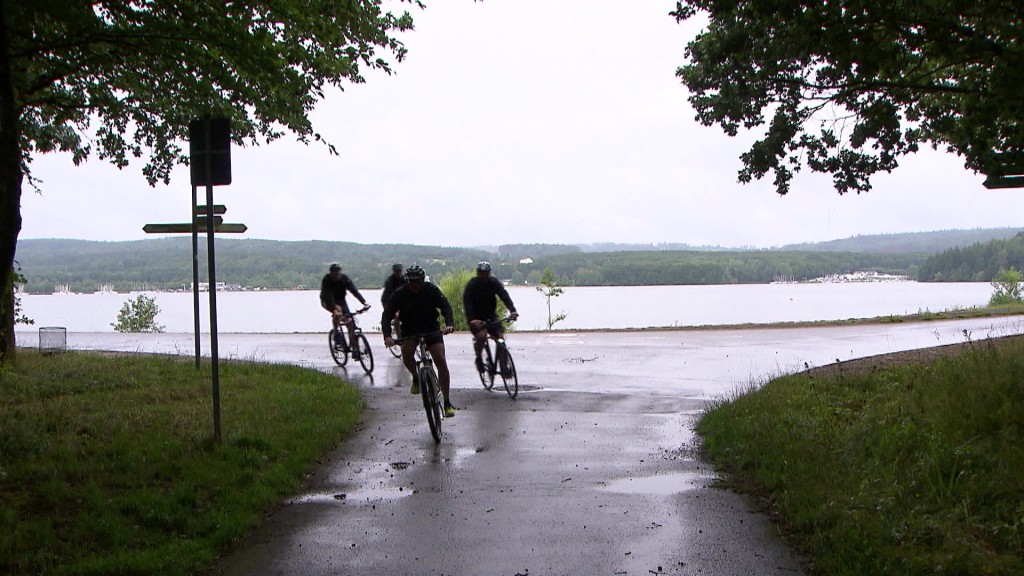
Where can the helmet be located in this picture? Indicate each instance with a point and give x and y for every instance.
(396, 267)
(414, 272)
(335, 268)
(483, 267)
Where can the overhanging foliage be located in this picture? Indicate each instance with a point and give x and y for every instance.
(846, 88)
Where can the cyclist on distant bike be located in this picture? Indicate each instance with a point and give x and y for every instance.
(480, 301)
(393, 282)
(333, 289)
(417, 303)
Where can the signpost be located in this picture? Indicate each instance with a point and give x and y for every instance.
(210, 161)
(187, 228)
(1004, 172)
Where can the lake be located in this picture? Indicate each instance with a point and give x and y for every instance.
(586, 308)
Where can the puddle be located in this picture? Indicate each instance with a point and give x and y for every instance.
(360, 496)
(462, 454)
(660, 485)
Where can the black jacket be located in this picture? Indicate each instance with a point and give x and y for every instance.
(480, 298)
(390, 285)
(417, 310)
(333, 293)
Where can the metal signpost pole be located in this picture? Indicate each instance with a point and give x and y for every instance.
(212, 277)
(204, 134)
(195, 274)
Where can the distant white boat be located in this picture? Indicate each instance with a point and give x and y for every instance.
(62, 289)
(861, 276)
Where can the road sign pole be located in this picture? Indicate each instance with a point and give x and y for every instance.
(195, 275)
(212, 278)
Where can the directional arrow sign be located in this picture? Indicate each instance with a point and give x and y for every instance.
(217, 209)
(201, 220)
(187, 228)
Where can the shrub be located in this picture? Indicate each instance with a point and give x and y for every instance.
(138, 315)
(1006, 288)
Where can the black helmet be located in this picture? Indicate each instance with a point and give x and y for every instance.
(483, 267)
(335, 268)
(414, 272)
(396, 267)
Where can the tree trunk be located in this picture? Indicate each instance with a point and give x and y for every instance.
(10, 191)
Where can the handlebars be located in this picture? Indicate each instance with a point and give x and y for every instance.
(356, 313)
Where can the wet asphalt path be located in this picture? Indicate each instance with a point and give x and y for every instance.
(592, 470)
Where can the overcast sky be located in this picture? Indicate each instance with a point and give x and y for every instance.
(520, 121)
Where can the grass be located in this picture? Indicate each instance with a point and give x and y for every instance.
(913, 469)
(108, 463)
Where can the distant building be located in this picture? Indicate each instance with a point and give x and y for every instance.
(526, 260)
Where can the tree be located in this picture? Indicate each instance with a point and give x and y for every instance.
(452, 285)
(17, 279)
(549, 288)
(138, 315)
(1006, 288)
(122, 80)
(849, 87)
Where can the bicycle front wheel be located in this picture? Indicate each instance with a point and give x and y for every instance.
(339, 353)
(431, 401)
(487, 374)
(508, 371)
(396, 349)
(365, 354)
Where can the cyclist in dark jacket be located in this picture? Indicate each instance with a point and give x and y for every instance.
(392, 283)
(417, 304)
(333, 289)
(480, 301)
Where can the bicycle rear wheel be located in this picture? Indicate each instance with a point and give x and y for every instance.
(365, 354)
(487, 375)
(339, 353)
(507, 367)
(431, 401)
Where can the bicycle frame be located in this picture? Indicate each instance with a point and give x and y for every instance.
(346, 318)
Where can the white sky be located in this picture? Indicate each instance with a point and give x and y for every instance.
(520, 121)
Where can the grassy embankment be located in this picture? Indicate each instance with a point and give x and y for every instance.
(901, 470)
(108, 466)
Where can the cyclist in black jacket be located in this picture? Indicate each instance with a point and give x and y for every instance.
(417, 303)
(333, 289)
(392, 283)
(480, 301)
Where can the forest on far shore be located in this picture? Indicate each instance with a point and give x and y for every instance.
(50, 265)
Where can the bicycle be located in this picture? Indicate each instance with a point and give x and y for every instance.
(505, 366)
(429, 390)
(396, 329)
(340, 352)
